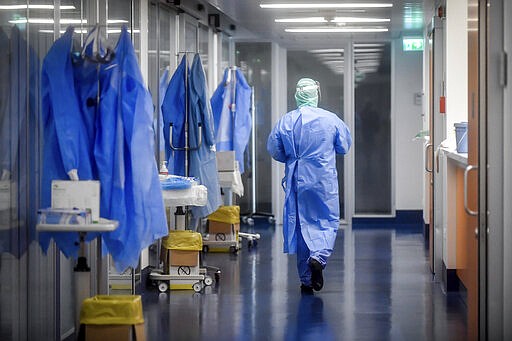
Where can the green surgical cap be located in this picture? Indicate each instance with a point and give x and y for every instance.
(306, 93)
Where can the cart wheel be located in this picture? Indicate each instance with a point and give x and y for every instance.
(250, 221)
(232, 249)
(271, 220)
(255, 243)
(197, 287)
(208, 280)
(163, 286)
(249, 244)
(206, 248)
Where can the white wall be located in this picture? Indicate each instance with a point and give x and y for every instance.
(456, 47)
(407, 122)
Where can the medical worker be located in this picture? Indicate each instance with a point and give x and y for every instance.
(307, 140)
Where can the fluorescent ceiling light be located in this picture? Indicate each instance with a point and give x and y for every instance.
(367, 50)
(317, 6)
(311, 19)
(85, 31)
(368, 45)
(79, 31)
(329, 55)
(376, 57)
(363, 55)
(334, 30)
(327, 51)
(46, 21)
(354, 19)
(15, 7)
(116, 21)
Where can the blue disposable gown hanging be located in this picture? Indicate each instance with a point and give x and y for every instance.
(311, 179)
(173, 112)
(66, 145)
(124, 154)
(202, 162)
(118, 136)
(231, 103)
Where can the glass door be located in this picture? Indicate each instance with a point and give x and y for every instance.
(372, 129)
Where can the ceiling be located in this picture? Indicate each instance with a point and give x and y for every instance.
(406, 17)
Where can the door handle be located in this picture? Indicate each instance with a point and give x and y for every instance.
(466, 172)
(427, 159)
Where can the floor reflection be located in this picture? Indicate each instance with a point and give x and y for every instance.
(377, 287)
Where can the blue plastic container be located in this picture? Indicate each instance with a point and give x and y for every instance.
(461, 136)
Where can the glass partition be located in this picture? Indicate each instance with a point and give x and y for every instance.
(325, 66)
(254, 59)
(224, 61)
(203, 49)
(372, 135)
(36, 288)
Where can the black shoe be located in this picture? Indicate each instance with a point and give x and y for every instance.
(317, 279)
(306, 289)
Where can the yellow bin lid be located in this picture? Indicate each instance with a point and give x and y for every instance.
(226, 214)
(112, 309)
(184, 240)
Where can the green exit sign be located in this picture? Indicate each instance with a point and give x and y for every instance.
(413, 44)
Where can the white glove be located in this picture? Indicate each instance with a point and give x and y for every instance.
(73, 174)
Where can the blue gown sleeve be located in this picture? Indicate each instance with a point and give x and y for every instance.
(173, 111)
(217, 102)
(343, 139)
(243, 119)
(275, 145)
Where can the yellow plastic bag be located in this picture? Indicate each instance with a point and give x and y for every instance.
(112, 309)
(226, 214)
(184, 240)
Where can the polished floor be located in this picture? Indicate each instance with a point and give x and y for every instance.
(377, 287)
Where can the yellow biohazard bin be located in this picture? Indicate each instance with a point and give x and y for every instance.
(181, 248)
(114, 317)
(223, 229)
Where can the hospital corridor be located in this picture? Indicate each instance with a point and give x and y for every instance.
(255, 170)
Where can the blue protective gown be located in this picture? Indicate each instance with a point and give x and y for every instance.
(307, 139)
(202, 162)
(112, 141)
(231, 136)
(124, 154)
(173, 111)
(67, 144)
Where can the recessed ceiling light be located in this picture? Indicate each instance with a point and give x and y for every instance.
(355, 19)
(116, 21)
(359, 50)
(15, 7)
(335, 30)
(324, 5)
(368, 45)
(46, 21)
(312, 19)
(326, 51)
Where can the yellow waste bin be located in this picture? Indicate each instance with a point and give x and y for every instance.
(114, 317)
